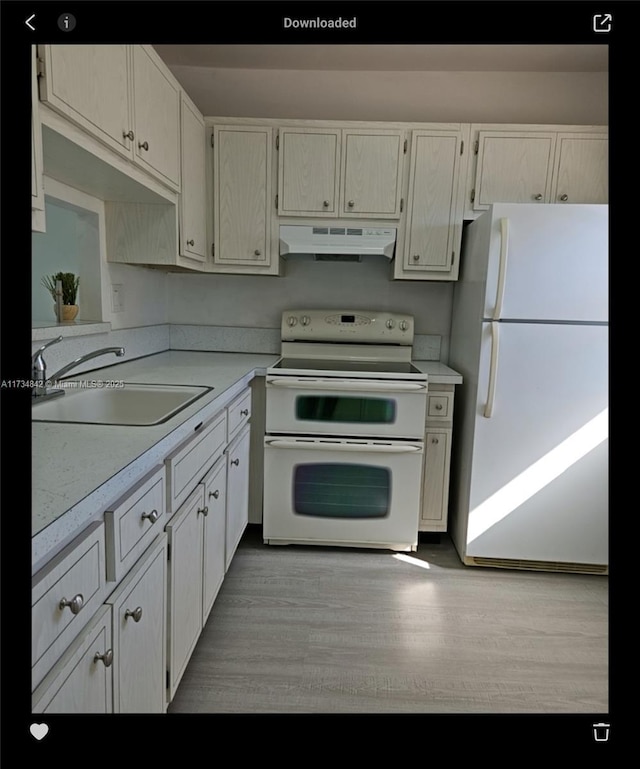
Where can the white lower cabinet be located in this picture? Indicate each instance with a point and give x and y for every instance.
(237, 491)
(139, 614)
(437, 459)
(81, 681)
(214, 534)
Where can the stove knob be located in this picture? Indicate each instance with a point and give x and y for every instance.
(403, 325)
(305, 320)
(391, 323)
(291, 321)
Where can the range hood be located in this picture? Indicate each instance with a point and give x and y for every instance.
(337, 243)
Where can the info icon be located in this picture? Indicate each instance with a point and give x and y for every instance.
(67, 22)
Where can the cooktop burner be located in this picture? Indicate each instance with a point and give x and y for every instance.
(335, 365)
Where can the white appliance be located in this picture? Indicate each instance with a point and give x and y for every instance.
(530, 336)
(345, 411)
(350, 242)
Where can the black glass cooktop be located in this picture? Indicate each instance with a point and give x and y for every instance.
(304, 364)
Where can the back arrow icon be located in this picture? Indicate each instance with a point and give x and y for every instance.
(33, 29)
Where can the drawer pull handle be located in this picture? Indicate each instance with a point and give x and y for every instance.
(244, 412)
(152, 516)
(198, 426)
(107, 657)
(537, 197)
(191, 242)
(144, 146)
(136, 614)
(564, 197)
(75, 604)
(204, 510)
(235, 462)
(128, 135)
(438, 406)
(215, 494)
(434, 440)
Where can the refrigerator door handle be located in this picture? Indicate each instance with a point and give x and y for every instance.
(493, 369)
(502, 268)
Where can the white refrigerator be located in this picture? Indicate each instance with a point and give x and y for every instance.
(529, 479)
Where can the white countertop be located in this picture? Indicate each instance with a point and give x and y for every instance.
(79, 469)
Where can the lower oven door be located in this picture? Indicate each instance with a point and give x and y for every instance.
(342, 406)
(354, 493)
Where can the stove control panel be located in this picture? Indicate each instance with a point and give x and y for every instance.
(357, 327)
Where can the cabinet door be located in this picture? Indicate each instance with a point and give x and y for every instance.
(139, 636)
(242, 195)
(185, 585)
(193, 183)
(214, 542)
(89, 84)
(156, 113)
(308, 171)
(581, 169)
(371, 173)
(513, 167)
(435, 489)
(433, 231)
(81, 681)
(237, 491)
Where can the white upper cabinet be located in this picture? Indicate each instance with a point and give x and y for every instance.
(581, 173)
(372, 173)
(537, 164)
(434, 207)
(340, 172)
(89, 84)
(193, 206)
(122, 95)
(243, 201)
(156, 114)
(308, 171)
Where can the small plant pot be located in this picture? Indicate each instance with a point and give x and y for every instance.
(69, 312)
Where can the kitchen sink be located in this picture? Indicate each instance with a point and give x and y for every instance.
(127, 404)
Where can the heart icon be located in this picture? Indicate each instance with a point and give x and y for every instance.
(39, 730)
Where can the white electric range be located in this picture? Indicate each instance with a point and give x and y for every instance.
(345, 413)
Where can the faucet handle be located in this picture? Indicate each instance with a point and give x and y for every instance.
(37, 353)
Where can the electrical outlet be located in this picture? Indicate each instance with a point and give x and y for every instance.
(117, 297)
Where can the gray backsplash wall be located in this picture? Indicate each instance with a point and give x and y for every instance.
(246, 309)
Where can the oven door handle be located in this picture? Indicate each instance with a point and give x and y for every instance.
(346, 384)
(366, 448)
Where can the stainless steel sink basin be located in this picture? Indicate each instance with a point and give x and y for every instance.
(131, 404)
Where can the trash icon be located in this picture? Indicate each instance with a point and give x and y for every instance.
(601, 732)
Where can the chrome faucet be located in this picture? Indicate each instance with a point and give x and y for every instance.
(39, 368)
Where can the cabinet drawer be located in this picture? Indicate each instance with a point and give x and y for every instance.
(439, 407)
(65, 594)
(187, 465)
(239, 413)
(133, 522)
(81, 682)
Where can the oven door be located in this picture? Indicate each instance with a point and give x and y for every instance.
(354, 493)
(343, 406)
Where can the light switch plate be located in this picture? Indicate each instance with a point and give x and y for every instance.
(117, 297)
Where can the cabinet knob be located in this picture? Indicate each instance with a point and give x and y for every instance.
(257, 252)
(152, 516)
(537, 197)
(215, 494)
(434, 440)
(143, 146)
(351, 204)
(564, 197)
(235, 462)
(438, 406)
(191, 242)
(136, 614)
(204, 510)
(326, 204)
(107, 657)
(244, 412)
(75, 604)
(416, 257)
(128, 135)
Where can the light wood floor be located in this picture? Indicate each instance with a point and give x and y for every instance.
(336, 630)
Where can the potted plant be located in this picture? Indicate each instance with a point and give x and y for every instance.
(69, 283)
